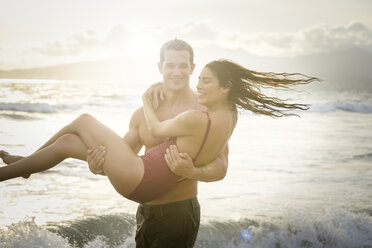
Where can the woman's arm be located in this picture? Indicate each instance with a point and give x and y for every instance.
(181, 125)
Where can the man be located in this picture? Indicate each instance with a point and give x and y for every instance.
(171, 220)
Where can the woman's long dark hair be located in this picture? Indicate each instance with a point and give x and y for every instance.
(245, 89)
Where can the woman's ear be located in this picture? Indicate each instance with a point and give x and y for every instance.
(227, 88)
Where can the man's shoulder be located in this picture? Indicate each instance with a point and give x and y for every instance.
(138, 112)
(137, 116)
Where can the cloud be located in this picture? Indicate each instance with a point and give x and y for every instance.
(314, 39)
(325, 38)
(85, 42)
(73, 45)
(117, 34)
(193, 32)
(144, 42)
(317, 38)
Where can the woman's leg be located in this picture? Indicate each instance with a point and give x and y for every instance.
(122, 166)
(9, 158)
(68, 145)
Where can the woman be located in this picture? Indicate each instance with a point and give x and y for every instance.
(223, 87)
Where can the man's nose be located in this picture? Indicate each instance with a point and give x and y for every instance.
(177, 71)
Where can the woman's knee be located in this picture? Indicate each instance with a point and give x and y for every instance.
(82, 121)
(85, 117)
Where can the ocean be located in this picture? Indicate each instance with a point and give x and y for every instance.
(292, 182)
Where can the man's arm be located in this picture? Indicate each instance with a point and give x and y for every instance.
(181, 164)
(132, 137)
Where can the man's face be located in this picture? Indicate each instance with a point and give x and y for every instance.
(176, 69)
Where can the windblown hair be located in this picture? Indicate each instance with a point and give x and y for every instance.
(245, 84)
(177, 45)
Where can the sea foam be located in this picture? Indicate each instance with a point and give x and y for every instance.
(295, 228)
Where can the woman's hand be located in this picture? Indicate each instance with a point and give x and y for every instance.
(179, 163)
(95, 159)
(154, 94)
(157, 94)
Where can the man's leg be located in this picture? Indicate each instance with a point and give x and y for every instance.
(168, 225)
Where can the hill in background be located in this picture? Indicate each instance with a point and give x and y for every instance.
(344, 69)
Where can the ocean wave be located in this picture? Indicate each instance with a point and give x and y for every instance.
(37, 107)
(296, 228)
(28, 234)
(118, 102)
(366, 156)
(18, 117)
(112, 230)
(123, 101)
(355, 107)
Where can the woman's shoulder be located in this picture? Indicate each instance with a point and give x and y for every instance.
(193, 117)
(195, 114)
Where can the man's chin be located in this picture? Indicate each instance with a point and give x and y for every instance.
(179, 87)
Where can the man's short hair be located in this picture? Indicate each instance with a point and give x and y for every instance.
(177, 45)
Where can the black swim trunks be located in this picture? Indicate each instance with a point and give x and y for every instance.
(173, 224)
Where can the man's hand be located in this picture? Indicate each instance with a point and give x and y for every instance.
(95, 159)
(179, 163)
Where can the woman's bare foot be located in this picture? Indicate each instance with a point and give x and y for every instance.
(9, 159)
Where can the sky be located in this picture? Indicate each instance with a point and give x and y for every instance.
(43, 32)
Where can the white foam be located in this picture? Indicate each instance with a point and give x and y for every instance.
(36, 107)
(295, 228)
(336, 228)
(28, 234)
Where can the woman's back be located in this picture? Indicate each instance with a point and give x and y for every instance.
(222, 124)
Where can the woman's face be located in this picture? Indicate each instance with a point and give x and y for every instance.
(209, 91)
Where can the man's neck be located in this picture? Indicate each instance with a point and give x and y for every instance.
(177, 98)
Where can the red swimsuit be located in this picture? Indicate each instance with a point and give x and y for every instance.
(158, 178)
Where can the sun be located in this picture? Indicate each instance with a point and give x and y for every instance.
(144, 45)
